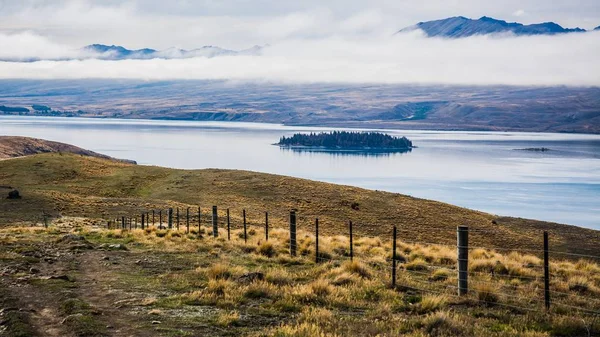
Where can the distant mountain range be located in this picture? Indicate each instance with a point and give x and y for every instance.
(113, 52)
(459, 26)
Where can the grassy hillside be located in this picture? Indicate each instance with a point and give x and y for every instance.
(93, 187)
(13, 146)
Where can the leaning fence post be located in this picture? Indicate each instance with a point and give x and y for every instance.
(228, 226)
(266, 226)
(394, 258)
(245, 231)
(214, 221)
(546, 273)
(463, 259)
(351, 245)
(293, 233)
(317, 240)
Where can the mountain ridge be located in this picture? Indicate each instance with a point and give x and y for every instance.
(115, 52)
(460, 26)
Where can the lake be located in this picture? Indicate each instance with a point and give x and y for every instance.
(478, 170)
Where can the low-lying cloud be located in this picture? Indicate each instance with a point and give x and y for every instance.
(569, 59)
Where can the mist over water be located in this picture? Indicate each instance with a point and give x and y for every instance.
(480, 170)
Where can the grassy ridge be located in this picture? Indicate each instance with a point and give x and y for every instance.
(92, 187)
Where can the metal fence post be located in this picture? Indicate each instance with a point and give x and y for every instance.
(293, 233)
(394, 258)
(215, 224)
(245, 231)
(199, 220)
(266, 226)
(463, 259)
(187, 220)
(317, 240)
(228, 226)
(546, 273)
(351, 245)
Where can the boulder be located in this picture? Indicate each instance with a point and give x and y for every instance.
(14, 194)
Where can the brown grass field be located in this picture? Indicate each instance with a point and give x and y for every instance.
(78, 278)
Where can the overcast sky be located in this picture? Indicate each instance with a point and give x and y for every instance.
(310, 40)
(244, 23)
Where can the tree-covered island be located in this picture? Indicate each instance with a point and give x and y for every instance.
(345, 140)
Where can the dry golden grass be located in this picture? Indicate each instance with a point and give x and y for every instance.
(92, 187)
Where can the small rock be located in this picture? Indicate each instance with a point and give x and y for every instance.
(14, 194)
(117, 246)
(138, 261)
(70, 318)
(251, 277)
(155, 322)
(106, 258)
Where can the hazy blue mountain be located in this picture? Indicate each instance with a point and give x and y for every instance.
(459, 26)
(597, 28)
(120, 53)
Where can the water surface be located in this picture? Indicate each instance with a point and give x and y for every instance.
(479, 170)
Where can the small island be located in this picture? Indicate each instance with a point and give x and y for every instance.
(348, 141)
(535, 149)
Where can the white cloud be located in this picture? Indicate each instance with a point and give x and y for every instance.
(519, 12)
(405, 58)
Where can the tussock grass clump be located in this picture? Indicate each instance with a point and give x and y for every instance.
(345, 279)
(260, 289)
(218, 271)
(443, 323)
(358, 268)
(321, 287)
(267, 249)
(431, 303)
(278, 276)
(228, 318)
(486, 293)
(439, 275)
(417, 264)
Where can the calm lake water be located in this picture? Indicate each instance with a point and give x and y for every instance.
(479, 170)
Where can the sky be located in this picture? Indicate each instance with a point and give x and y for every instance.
(309, 40)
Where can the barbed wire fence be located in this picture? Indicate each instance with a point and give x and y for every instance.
(532, 286)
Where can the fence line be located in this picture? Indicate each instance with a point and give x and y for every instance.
(465, 277)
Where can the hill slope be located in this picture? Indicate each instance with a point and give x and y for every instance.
(459, 26)
(94, 187)
(13, 146)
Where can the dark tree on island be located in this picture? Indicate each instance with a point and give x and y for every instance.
(347, 140)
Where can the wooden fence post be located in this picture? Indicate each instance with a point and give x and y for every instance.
(228, 226)
(199, 220)
(266, 226)
(143, 220)
(394, 257)
(187, 220)
(170, 218)
(245, 230)
(317, 240)
(153, 222)
(463, 260)
(215, 221)
(177, 218)
(351, 245)
(293, 233)
(122, 222)
(546, 273)
(160, 219)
